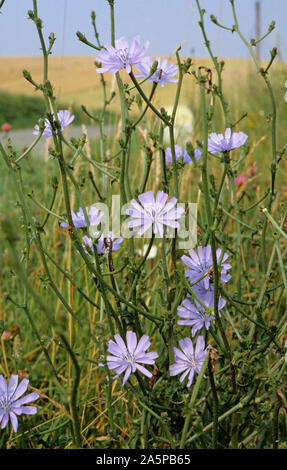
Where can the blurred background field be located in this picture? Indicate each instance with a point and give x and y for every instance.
(76, 83)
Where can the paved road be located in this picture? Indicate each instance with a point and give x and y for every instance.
(22, 138)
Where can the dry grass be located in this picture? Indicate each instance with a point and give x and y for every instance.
(76, 81)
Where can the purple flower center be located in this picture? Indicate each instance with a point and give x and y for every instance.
(123, 55)
(204, 267)
(129, 357)
(5, 403)
(191, 360)
(153, 213)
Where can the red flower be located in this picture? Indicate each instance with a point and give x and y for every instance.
(6, 127)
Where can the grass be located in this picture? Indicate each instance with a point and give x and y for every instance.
(23, 111)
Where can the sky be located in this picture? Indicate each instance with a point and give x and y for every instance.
(165, 23)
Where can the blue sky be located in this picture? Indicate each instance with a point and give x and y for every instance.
(166, 23)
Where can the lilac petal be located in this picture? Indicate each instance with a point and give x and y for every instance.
(182, 377)
(171, 223)
(118, 359)
(227, 134)
(201, 252)
(137, 206)
(143, 344)
(114, 348)
(121, 343)
(127, 374)
(178, 354)
(161, 199)
(14, 421)
(27, 399)
(2, 413)
(135, 223)
(116, 365)
(134, 45)
(186, 346)
(185, 313)
(122, 43)
(145, 227)
(21, 389)
(145, 359)
(176, 368)
(5, 420)
(188, 305)
(238, 139)
(158, 228)
(29, 410)
(120, 369)
(128, 68)
(147, 198)
(200, 345)
(197, 154)
(17, 410)
(171, 203)
(12, 384)
(190, 378)
(150, 355)
(36, 130)
(131, 341)
(173, 214)
(186, 260)
(3, 386)
(144, 371)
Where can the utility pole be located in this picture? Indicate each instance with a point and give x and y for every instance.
(257, 27)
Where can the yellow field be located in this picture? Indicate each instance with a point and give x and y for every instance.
(76, 81)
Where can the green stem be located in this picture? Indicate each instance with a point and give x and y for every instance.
(192, 401)
(73, 400)
(214, 406)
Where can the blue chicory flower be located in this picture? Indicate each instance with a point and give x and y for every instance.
(79, 221)
(206, 296)
(193, 315)
(163, 74)
(10, 402)
(219, 143)
(104, 244)
(180, 153)
(120, 57)
(65, 118)
(188, 360)
(127, 358)
(200, 264)
(154, 212)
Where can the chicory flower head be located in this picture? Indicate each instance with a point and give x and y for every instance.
(200, 264)
(127, 358)
(188, 360)
(79, 221)
(180, 153)
(121, 56)
(193, 315)
(104, 244)
(219, 143)
(206, 296)
(10, 402)
(154, 212)
(65, 118)
(163, 74)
